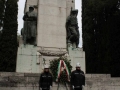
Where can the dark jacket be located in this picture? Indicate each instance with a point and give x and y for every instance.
(77, 78)
(45, 80)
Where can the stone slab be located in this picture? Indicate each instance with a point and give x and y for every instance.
(5, 74)
(25, 88)
(55, 3)
(18, 79)
(27, 59)
(3, 78)
(77, 55)
(116, 87)
(88, 75)
(33, 79)
(99, 75)
(31, 74)
(9, 88)
(8, 84)
(53, 11)
(51, 23)
(91, 83)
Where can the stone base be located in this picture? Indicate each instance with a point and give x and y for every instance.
(31, 59)
(28, 59)
(77, 55)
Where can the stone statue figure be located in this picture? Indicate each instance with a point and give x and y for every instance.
(29, 32)
(72, 29)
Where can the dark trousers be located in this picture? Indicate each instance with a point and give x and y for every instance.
(77, 88)
(45, 89)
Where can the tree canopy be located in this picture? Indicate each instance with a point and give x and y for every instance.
(2, 8)
(8, 40)
(101, 28)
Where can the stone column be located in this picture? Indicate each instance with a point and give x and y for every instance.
(51, 23)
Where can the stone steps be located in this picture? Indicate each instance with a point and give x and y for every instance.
(25, 81)
(98, 75)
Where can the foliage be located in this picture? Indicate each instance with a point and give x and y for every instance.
(101, 28)
(2, 8)
(8, 41)
(54, 66)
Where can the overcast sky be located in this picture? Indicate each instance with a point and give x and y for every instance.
(21, 5)
(78, 6)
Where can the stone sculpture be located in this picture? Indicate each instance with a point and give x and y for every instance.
(29, 32)
(72, 29)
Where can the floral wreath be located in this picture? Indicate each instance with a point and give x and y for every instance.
(61, 69)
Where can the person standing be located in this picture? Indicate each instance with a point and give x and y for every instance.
(45, 82)
(77, 78)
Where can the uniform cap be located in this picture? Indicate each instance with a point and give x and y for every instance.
(78, 65)
(74, 11)
(46, 66)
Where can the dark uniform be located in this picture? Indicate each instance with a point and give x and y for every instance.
(77, 79)
(45, 81)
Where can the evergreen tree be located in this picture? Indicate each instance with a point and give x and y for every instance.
(2, 8)
(8, 45)
(100, 35)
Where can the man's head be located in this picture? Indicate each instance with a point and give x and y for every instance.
(31, 8)
(78, 67)
(46, 68)
(74, 12)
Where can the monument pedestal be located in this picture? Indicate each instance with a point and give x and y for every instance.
(77, 55)
(31, 59)
(28, 59)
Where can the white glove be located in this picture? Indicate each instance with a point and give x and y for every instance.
(82, 74)
(72, 87)
(83, 87)
(50, 87)
(40, 89)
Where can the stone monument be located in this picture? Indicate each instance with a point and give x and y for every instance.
(49, 39)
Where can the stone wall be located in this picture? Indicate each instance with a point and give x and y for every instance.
(77, 55)
(51, 23)
(22, 81)
(28, 59)
(29, 81)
